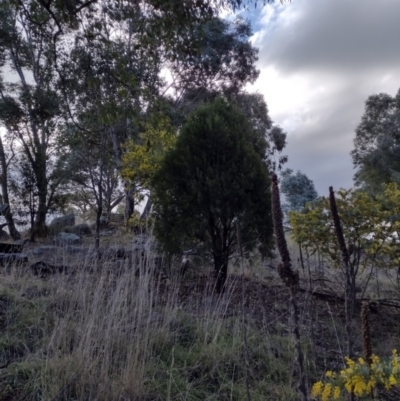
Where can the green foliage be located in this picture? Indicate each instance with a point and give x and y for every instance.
(360, 378)
(211, 184)
(371, 227)
(143, 156)
(268, 140)
(188, 367)
(298, 190)
(376, 151)
(30, 101)
(223, 58)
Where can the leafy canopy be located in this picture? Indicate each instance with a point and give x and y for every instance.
(376, 153)
(298, 190)
(212, 183)
(371, 227)
(143, 157)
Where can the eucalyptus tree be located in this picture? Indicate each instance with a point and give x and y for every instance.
(4, 183)
(93, 170)
(23, 189)
(30, 101)
(125, 43)
(298, 190)
(115, 73)
(376, 153)
(122, 59)
(171, 13)
(222, 59)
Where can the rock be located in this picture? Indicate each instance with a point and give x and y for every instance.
(73, 250)
(7, 258)
(45, 250)
(21, 241)
(62, 239)
(79, 229)
(3, 209)
(4, 236)
(59, 223)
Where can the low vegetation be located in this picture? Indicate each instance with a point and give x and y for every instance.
(143, 334)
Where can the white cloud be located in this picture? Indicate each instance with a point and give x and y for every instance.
(319, 61)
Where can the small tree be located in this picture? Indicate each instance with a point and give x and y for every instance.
(143, 156)
(370, 227)
(211, 185)
(377, 143)
(298, 190)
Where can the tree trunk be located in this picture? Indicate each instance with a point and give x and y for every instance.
(129, 200)
(129, 189)
(98, 222)
(39, 170)
(349, 304)
(221, 270)
(14, 233)
(147, 209)
(40, 221)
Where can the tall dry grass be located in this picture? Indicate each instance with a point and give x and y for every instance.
(119, 331)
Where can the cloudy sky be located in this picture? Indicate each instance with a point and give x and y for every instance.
(319, 61)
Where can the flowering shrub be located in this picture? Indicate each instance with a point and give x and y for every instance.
(359, 378)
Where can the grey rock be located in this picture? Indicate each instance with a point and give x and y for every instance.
(3, 209)
(79, 229)
(21, 241)
(73, 250)
(45, 250)
(59, 223)
(4, 236)
(63, 239)
(7, 258)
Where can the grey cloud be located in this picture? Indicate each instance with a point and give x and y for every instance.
(348, 46)
(338, 35)
(320, 145)
(325, 169)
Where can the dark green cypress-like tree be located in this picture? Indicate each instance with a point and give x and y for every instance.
(212, 184)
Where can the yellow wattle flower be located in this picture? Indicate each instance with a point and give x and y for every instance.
(317, 389)
(371, 384)
(392, 380)
(326, 392)
(336, 393)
